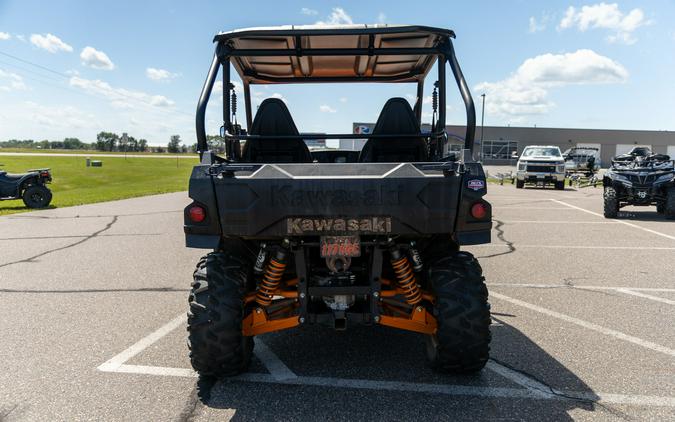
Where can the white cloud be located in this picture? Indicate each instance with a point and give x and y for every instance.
(325, 108)
(63, 117)
(96, 59)
(343, 99)
(309, 12)
(21, 38)
(159, 74)
(11, 81)
(4, 36)
(120, 97)
(50, 42)
(605, 16)
(525, 92)
(338, 16)
(536, 25)
(381, 18)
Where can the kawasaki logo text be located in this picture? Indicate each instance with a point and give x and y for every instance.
(286, 195)
(372, 225)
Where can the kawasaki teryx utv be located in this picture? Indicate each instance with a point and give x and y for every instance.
(640, 178)
(375, 241)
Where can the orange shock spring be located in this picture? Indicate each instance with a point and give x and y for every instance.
(406, 279)
(270, 281)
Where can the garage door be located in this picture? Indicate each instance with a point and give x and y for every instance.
(625, 148)
(671, 151)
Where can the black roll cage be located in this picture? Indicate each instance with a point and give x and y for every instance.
(444, 51)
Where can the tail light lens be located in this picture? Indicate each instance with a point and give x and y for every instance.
(479, 210)
(197, 213)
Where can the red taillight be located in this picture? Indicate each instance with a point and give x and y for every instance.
(44, 174)
(479, 210)
(197, 214)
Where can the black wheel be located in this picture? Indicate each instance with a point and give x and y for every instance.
(217, 346)
(611, 205)
(661, 208)
(669, 209)
(520, 184)
(37, 196)
(461, 344)
(560, 185)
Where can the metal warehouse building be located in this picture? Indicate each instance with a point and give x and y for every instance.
(499, 143)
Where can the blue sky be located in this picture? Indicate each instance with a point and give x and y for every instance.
(139, 66)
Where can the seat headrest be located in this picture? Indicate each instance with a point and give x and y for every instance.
(397, 117)
(273, 118)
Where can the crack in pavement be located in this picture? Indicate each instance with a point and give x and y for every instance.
(56, 217)
(199, 396)
(557, 393)
(141, 290)
(76, 236)
(500, 235)
(79, 242)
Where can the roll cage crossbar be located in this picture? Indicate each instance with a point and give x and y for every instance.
(443, 51)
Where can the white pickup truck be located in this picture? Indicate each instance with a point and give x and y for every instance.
(541, 165)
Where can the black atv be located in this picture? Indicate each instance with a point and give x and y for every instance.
(640, 178)
(298, 242)
(30, 186)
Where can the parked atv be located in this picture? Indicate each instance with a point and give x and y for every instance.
(30, 186)
(376, 241)
(641, 180)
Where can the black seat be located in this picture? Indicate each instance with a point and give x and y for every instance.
(274, 119)
(396, 118)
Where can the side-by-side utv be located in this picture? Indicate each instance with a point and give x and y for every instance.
(372, 240)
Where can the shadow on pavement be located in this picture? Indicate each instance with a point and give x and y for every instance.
(379, 353)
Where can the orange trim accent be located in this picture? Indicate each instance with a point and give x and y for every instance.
(401, 292)
(257, 323)
(419, 321)
(287, 294)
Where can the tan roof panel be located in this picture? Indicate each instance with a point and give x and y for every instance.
(294, 54)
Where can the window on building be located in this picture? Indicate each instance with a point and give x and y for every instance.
(498, 150)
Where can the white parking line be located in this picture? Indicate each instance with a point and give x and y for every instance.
(498, 208)
(626, 223)
(650, 297)
(113, 364)
(625, 248)
(535, 391)
(563, 286)
(535, 387)
(274, 365)
(277, 369)
(556, 222)
(281, 374)
(589, 325)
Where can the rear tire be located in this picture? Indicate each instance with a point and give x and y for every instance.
(217, 346)
(37, 196)
(669, 210)
(520, 184)
(611, 203)
(461, 344)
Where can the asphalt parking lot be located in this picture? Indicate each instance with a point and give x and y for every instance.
(94, 300)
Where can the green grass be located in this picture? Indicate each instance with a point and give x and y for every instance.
(85, 151)
(76, 184)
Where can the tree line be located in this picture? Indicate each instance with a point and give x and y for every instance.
(105, 141)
